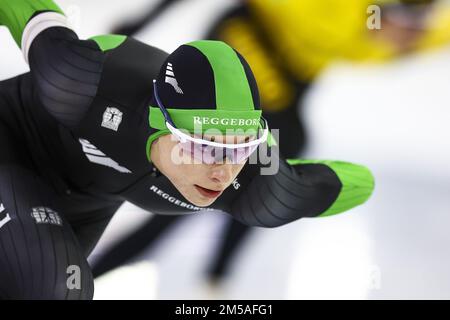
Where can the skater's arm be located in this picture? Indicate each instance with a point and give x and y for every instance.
(302, 188)
(65, 70)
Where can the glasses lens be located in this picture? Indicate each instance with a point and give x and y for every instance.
(240, 155)
(210, 154)
(200, 152)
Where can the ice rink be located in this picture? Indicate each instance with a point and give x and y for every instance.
(392, 118)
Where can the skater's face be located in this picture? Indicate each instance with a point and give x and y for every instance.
(404, 28)
(200, 183)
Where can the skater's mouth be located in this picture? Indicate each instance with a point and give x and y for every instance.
(208, 192)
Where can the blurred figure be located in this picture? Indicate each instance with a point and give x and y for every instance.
(288, 44)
